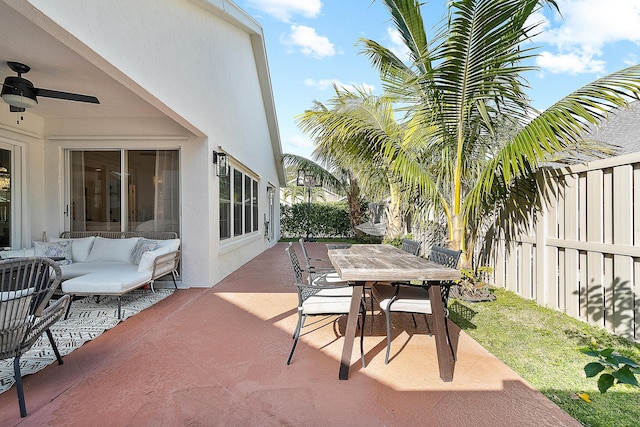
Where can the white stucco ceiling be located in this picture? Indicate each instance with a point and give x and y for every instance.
(56, 66)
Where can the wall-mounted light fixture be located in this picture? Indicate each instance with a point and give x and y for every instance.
(222, 162)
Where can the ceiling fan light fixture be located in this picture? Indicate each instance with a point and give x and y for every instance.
(19, 101)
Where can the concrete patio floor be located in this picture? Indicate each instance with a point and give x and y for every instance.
(207, 357)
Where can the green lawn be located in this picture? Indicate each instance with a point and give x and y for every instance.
(542, 346)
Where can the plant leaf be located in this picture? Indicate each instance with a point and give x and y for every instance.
(605, 382)
(627, 361)
(590, 351)
(592, 369)
(625, 376)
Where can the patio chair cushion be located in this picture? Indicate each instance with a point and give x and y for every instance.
(117, 250)
(411, 299)
(327, 279)
(328, 301)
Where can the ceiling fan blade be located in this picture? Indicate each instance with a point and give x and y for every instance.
(48, 93)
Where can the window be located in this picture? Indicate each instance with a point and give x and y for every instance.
(124, 190)
(225, 207)
(240, 191)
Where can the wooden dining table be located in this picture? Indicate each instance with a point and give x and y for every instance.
(359, 264)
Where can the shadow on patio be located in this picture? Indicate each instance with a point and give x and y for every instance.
(218, 357)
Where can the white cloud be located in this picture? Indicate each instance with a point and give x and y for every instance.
(397, 46)
(298, 144)
(570, 63)
(284, 10)
(308, 42)
(324, 84)
(631, 59)
(585, 27)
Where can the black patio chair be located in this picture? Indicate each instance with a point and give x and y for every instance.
(26, 287)
(414, 299)
(320, 298)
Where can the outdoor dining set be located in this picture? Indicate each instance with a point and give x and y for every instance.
(396, 278)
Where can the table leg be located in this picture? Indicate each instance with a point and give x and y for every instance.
(446, 362)
(350, 333)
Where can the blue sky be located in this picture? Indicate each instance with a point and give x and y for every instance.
(313, 43)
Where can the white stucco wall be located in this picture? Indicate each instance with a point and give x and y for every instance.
(200, 70)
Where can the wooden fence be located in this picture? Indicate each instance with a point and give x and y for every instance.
(582, 252)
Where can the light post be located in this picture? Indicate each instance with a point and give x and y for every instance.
(308, 180)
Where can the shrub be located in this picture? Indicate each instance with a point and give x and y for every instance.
(321, 219)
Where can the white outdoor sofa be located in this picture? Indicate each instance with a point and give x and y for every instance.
(109, 263)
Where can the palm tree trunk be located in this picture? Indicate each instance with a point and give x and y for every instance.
(355, 214)
(394, 214)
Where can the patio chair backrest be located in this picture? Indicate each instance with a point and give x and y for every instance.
(444, 256)
(410, 246)
(25, 290)
(448, 258)
(295, 264)
(307, 260)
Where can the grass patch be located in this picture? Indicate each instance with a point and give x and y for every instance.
(542, 346)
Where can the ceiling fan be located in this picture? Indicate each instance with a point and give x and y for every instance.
(20, 93)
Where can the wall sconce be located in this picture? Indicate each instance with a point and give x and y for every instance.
(222, 162)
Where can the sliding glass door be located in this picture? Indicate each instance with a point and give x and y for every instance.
(5, 199)
(124, 190)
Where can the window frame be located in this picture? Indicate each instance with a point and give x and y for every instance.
(247, 206)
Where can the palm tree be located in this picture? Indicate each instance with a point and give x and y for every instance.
(351, 130)
(458, 87)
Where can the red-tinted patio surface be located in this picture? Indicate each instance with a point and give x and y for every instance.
(206, 357)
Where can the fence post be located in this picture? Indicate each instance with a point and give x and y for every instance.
(621, 288)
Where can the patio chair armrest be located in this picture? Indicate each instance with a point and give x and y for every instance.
(50, 315)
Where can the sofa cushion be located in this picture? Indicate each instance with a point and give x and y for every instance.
(80, 268)
(172, 244)
(114, 281)
(143, 245)
(146, 261)
(60, 249)
(18, 253)
(116, 250)
(80, 247)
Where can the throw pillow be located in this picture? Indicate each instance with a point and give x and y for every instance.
(80, 247)
(60, 249)
(143, 245)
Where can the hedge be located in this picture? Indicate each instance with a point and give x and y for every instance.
(322, 220)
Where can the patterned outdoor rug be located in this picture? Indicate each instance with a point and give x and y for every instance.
(87, 319)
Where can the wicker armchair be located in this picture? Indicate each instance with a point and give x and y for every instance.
(320, 298)
(26, 286)
(407, 298)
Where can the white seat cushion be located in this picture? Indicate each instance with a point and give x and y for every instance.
(411, 299)
(329, 301)
(81, 268)
(114, 281)
(328, 279)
